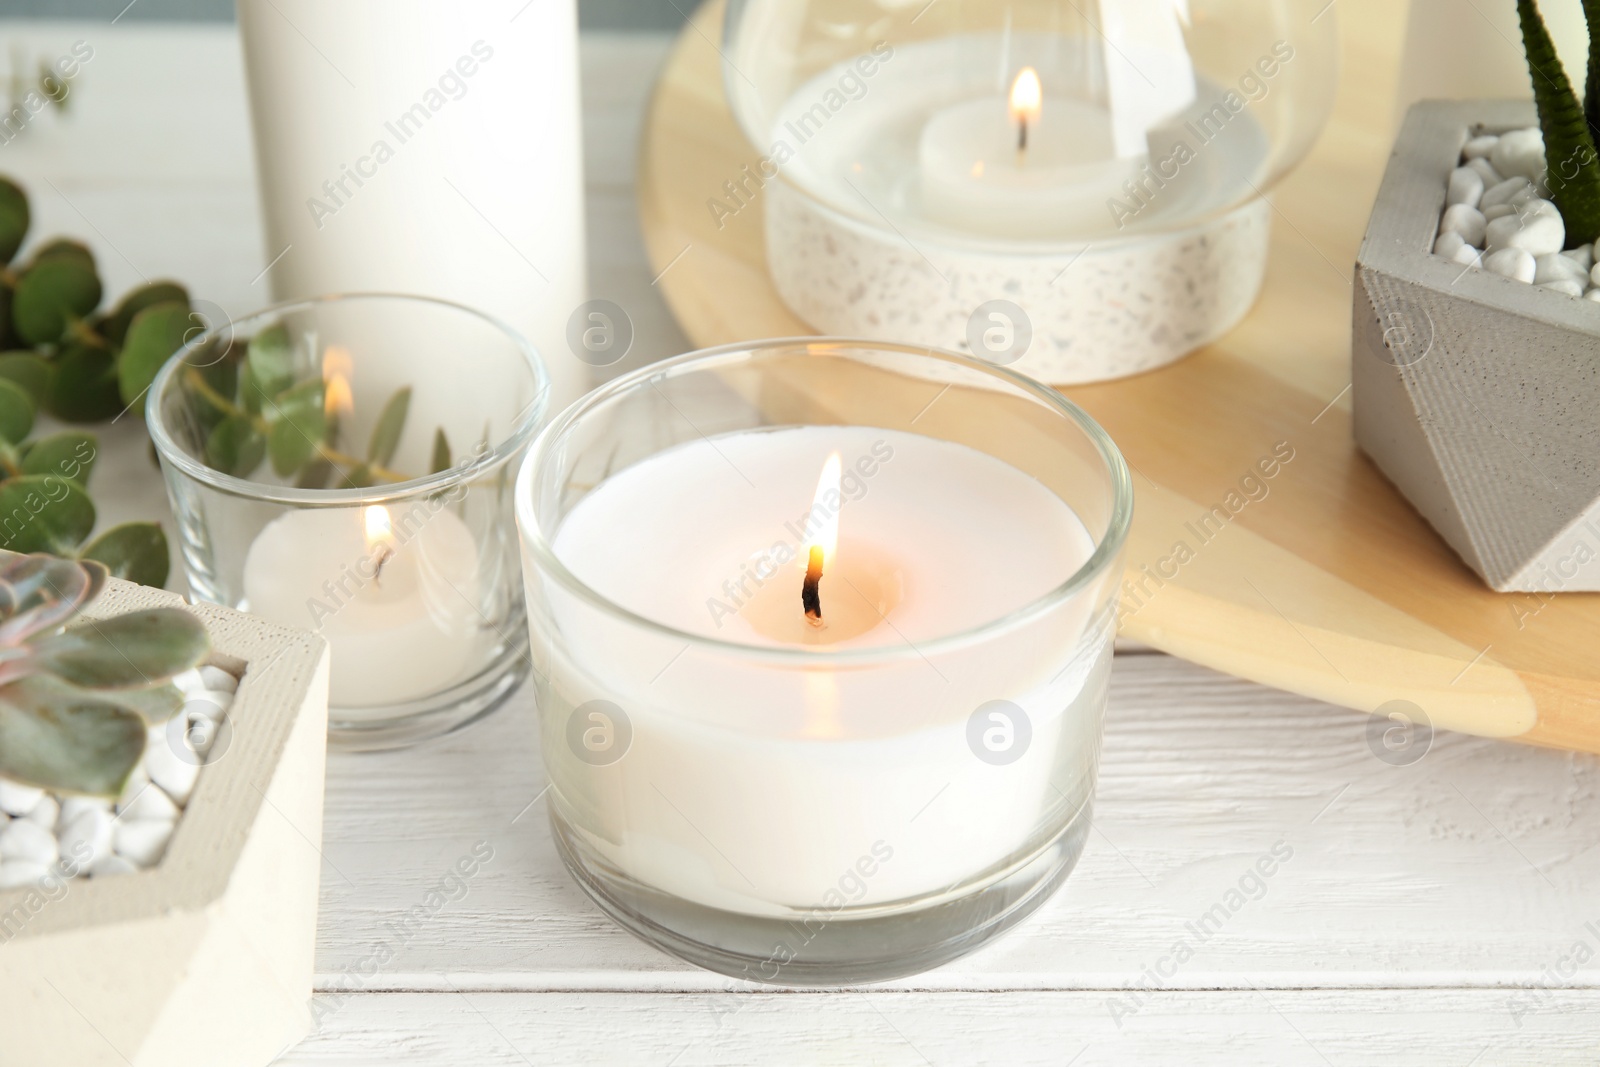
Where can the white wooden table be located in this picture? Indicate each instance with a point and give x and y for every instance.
(1442, 912)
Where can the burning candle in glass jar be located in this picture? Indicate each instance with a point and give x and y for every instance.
(906, 539)
(393, 592)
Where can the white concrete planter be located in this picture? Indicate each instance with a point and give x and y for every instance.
(206, 958)
(1477, 395)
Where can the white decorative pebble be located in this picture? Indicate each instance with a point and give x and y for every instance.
(17, 873)
(1520, 153)
(111, 864)
(1480, 146)
(1491, 177)
(46, 812)
(1556, 267)
(73, 807)
(174, 774)
(1466, 187)
(86, 839)
(218, 679)
(200, 735)
(18, 799)
(1583, 256)
(208, 702)
(1448, 244)
(135, 785)
(1537, 233)
(24, 840)
(1514, 263)
(1565, 285)
(189, 681)
(142, 841)
(1499, 211)
(1466, 220)
(1502, 193)
(151, 803)
(1468, 256)
(1593, 294)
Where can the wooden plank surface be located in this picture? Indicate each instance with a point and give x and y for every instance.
(1330, 585)
(1427, 916)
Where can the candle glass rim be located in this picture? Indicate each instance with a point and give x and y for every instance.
(522, 430)
(1105, 554)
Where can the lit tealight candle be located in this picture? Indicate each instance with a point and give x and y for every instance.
(394, 595)
(1005, 162)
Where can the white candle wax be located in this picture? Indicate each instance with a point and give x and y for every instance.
(911, 144)
(396, 606)
(419, 147)
(975, 172)
(791, 772)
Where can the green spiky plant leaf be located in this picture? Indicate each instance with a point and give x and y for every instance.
(1591, 98)
(77, 698)
(1572, 169)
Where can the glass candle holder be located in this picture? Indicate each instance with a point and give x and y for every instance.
(344, 465)
(1078, 190)
(822, 631)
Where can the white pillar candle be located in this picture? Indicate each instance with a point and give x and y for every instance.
(754, 786)
(420, 147)
(394, 595)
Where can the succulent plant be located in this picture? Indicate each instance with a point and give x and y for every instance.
(256, 401)
(1572, 168)
(77, 701)
(61, 356)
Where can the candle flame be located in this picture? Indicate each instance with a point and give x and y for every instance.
(1027, 96)
(380, 529)
(337, 397)
(826, 504)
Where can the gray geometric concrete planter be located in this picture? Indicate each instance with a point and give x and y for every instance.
(1478, 396)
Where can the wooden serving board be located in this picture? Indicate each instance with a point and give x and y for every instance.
(1319, 579)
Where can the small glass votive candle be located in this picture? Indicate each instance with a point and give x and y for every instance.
(822, 631)
(344, 465)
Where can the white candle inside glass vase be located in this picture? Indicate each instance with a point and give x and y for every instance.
(394, 595)
(1006, 161)
(794, 771)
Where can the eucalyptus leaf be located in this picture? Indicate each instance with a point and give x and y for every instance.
(210, 388)
(59, 739)
(153, 336)
(8, 332)
(315, 475)
(50, 295)
(133, 651)
(29, 371)
(16, 412)
(235, 446)
(115, 327)
(441, 452)
(360, 477)
(270, 356)
(84, 385)
(44, 513)
(14, 218)
(63, 248)
(391, 424)
(134, 551)
(297, 426)
(70, 454)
